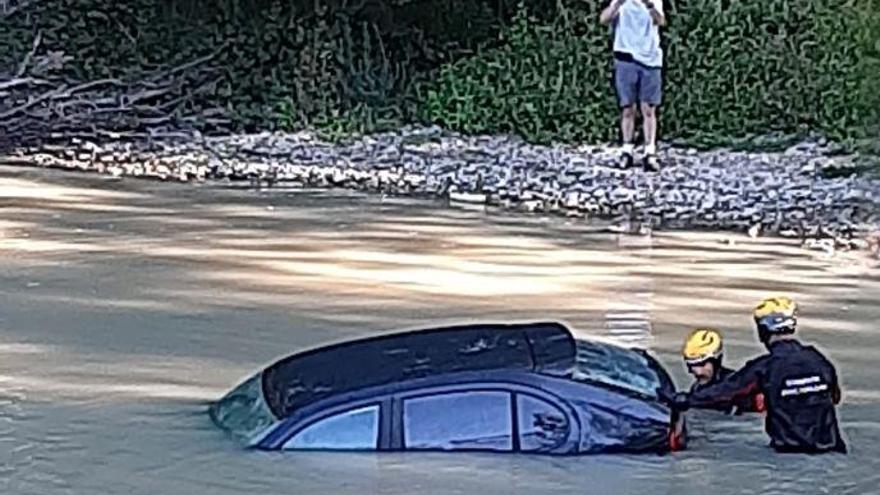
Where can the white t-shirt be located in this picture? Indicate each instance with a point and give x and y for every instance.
(635, 33)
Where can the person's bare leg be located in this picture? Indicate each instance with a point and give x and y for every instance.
(627, 128)
(628, 125)
(649, 126)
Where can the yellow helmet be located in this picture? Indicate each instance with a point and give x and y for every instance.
(702, 345)
(774, 316)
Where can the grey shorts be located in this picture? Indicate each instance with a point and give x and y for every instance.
(636, 83)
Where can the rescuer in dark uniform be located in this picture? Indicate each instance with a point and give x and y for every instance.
(703, 353)
(799, 385)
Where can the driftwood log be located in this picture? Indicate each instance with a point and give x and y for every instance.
(38, 106)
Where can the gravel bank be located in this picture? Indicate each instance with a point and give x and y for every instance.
(781, 193)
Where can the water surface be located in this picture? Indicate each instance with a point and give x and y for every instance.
(125, 306)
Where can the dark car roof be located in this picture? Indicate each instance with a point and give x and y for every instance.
(301, 379)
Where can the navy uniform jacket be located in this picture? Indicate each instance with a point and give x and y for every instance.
(800, 391)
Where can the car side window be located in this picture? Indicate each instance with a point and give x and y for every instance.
(356, 429)
(472, 420)
(542, 425)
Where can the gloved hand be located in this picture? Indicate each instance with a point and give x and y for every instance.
(680, 402)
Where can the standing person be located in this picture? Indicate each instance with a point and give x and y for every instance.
(703, 353)
(799, 384)
(638, 63)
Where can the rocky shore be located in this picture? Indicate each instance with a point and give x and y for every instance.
(784, 193)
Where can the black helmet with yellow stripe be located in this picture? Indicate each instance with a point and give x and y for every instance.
(775, 316)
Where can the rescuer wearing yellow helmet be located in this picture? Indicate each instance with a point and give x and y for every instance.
(799, 385)
(703, 353)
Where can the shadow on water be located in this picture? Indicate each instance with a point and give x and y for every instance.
(126, 306)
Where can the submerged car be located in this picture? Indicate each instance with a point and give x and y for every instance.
(485, 387)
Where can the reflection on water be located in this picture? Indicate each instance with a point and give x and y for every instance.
(125, 306)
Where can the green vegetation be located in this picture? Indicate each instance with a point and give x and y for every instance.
(736, 71)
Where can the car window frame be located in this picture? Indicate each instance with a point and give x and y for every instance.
(511, 407)
(569, 419)
(397, 441)
(383, 403)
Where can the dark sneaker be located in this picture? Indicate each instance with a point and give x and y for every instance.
(652, 163)
(626, 160)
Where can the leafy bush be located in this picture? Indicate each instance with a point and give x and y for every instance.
(342, 66)
(547, 82)
(733, 70)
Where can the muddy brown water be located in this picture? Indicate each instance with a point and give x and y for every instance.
(125, 306)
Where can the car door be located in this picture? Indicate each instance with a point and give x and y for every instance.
(542, 426)
(470, 419)
(355, 426)
(481, 418)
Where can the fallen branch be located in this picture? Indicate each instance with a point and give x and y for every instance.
(48, 108)
(21, 81)
(22, 67)
(8, 10)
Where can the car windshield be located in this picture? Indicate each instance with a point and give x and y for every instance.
(614, 365)
(243, 412)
